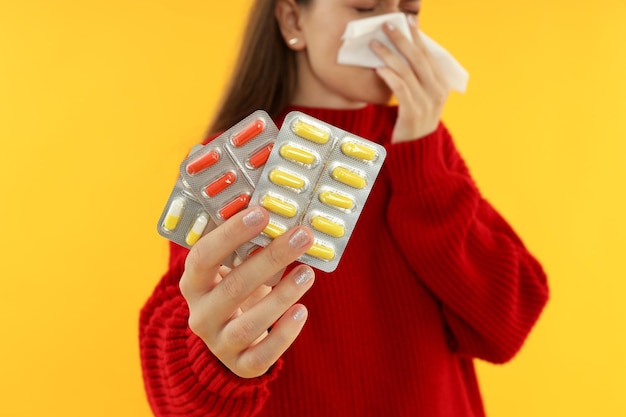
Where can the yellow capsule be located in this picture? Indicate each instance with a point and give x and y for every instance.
(348, 177)
(174, 212)
(197, 229)
(297, 155)
(327, 226)
(280, 177)
(278, 206)
(357, 151)
(273, 230)
(321, 251)
(310, 132)
(336, 200)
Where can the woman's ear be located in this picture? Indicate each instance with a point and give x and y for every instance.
(288, 16)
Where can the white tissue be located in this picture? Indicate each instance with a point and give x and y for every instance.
(359, 33)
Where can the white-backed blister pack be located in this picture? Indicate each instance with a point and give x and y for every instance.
(223, 173)
(320, 176)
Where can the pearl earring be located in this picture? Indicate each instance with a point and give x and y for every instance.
(293, 41)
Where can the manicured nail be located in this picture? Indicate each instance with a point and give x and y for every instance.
(303, 276)
(300, 313)
(390, 26)
(253, 218)
(299, 239)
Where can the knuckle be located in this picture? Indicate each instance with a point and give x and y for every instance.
(233, 285)
(274, 257)
(440, 97)
(239, 333)
(196, 324)
(283, 299)
(228, 233)
(183, 286)
(193, 260)
(256, 363)
(405, 72)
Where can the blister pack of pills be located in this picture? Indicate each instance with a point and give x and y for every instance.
(223, 173)
(320, 176)
(307, 173)
(184, 219)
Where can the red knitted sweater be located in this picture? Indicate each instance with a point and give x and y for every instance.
(432, 278)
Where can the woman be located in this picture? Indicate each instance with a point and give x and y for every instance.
(433, 276)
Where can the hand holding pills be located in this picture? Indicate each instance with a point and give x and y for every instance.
(307, 173)
(232, 310)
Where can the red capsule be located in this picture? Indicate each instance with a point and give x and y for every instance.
(260, 157)
(220, 184)
(248, 133)
(203, 162)
(235, 206)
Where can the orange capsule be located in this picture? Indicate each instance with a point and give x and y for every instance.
(260, 157)
(220, 184)
(248, 133)
(205, 161)
(235, 206)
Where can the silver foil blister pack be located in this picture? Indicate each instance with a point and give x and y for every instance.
(320, 176)
(222, 175)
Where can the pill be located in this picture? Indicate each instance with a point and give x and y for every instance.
(220, 184)
(348, 177)
(279, 207)
(197, 229)
(205, 161)
(172, 217)
(328, 226)
(297, 155)
(357, 151)
(336, 200)
(248, 133)
(273, 230)
(310, 132)
(321, 251)
(280, 177)
(235, 206)
(260, 157)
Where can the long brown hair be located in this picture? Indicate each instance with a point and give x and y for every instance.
(265, 72)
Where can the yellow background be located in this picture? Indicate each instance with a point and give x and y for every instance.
(100, 100)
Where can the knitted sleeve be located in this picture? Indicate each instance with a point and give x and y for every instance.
(491, 289)
(181, 376)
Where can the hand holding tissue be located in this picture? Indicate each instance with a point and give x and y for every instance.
(355, 49)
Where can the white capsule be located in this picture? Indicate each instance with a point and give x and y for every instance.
(197, 229)
(172, 217)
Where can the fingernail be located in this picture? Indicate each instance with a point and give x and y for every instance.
(253, 218)
(299, 314)
(303, 276)
(390, 26)
(299, 239)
